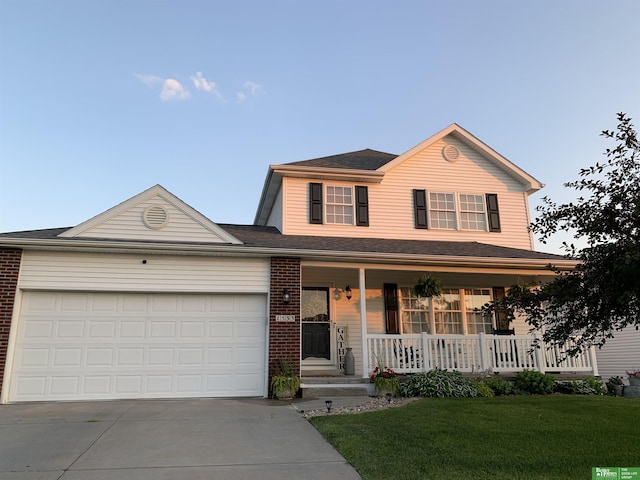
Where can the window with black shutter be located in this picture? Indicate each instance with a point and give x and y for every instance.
(362, 206)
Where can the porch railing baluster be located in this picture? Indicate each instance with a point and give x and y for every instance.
(470, 353)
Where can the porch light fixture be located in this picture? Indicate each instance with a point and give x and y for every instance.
(328, 403)
(347, 291)
(286, 296)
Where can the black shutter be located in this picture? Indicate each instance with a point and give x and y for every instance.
(315, 203)
(420, 208)
(493, 214)
(502, 319)
(362, 206)
(391, 308)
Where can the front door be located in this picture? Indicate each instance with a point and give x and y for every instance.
(316, 324)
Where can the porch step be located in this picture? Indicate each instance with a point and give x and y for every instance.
(312, 387)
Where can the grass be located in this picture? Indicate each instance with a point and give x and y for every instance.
(527, 437)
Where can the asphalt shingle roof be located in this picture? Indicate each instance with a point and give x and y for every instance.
(270, 237)
(361, 160)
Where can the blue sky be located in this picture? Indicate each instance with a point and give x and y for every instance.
(101, 100)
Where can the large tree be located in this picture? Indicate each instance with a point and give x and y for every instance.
(587, 305)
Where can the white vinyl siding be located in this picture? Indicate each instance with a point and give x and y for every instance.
(391, 213)
(103, 272)
(619, 354)
(129, 225)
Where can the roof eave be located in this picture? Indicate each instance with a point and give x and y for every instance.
(307, 254)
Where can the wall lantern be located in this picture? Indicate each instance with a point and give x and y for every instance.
(347, 291)
(286, 296)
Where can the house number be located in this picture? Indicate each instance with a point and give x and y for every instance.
(285, 318)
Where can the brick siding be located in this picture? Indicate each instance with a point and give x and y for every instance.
(9, 270)
(284, 337)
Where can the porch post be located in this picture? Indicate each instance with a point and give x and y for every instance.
(542, 362)
(593, 361)
(362, 288)
(484, 359)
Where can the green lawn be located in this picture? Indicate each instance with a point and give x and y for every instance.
(526, 437)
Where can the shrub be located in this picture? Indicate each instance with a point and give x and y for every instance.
(587, 386)
(484, 390)
(530, 381)
(439, 383)
(597, 385)
(500, 386)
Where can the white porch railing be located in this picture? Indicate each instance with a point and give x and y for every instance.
(473, 353)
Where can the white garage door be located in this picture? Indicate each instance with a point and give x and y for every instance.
(82, 346)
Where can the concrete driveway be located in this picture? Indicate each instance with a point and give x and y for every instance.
(163, 440)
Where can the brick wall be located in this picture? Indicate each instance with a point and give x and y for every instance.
(9, 269)
(284, 337)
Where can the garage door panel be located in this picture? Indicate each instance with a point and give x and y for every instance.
(176, 346)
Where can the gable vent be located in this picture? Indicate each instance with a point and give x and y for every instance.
(155, 217)
(451, 153)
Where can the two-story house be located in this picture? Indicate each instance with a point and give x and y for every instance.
(152, 299)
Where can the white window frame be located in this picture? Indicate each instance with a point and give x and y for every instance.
(457, 211)
(405, 295)
(328, 204)
(431, 209)
(483, 204)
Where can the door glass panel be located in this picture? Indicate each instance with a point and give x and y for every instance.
(316, 331)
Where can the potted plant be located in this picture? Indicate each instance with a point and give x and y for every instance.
(385, 381)
(284, 383)
(634, 377)
(615, 386)
(428, 286)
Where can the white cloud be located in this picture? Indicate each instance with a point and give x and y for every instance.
(149, 80)
(202, 83)
(249, 89)
(171, 89)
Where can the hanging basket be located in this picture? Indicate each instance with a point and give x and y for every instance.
(428, 286)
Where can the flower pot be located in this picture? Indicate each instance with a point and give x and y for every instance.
(286, 394)
(634, 381)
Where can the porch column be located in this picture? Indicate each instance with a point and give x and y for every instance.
(284, 318)
(362, 287)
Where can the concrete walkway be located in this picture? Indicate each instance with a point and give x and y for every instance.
(164, 440)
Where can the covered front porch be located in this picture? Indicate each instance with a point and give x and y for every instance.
(369, 311)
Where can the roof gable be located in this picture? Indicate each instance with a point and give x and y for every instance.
(153, 215)
(454, 130)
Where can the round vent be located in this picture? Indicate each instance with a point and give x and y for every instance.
(451, 153)
(155, 217)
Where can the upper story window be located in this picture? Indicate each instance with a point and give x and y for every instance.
(339, 205)
(456, 211)
(442, 207)
(472, 215)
